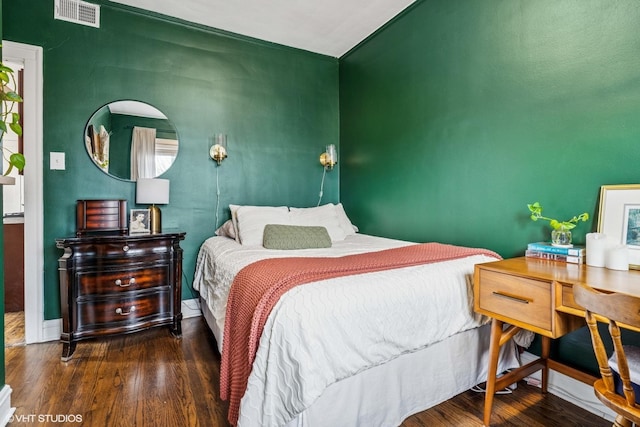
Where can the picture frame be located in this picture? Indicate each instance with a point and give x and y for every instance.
(631, 226)
(619, 218)
(139, 221)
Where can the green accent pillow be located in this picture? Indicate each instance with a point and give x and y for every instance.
(278, 236)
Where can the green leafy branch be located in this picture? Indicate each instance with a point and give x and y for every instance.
(10, 119)
(536, 214)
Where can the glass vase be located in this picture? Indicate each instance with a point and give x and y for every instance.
(561, 238)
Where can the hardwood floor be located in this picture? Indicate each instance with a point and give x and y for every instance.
(153, 379)
(14, 329)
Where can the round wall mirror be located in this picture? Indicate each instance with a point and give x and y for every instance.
(130, 140)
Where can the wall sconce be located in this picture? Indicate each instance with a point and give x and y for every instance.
(153, 191)
(329, 158)
(218, 150)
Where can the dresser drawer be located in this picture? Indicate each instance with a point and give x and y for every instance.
(119, 314)
(105, 282)
(121, 251)
(520, 299)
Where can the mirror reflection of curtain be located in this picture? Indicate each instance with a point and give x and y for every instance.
(98, 145)
(143, 150)
(103, 154)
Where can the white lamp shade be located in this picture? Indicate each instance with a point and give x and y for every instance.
(152, 191)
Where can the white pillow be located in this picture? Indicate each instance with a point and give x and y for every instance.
(252, 219)
(324, 216)
(227, 230)
(234, 220)
(346, 224)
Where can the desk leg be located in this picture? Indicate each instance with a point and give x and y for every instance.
(546, 347)
(494, 353)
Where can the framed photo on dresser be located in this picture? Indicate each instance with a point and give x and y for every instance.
(139, 221)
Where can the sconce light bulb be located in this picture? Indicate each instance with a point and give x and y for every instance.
(218, 153)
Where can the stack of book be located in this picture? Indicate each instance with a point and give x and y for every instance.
(545, 250)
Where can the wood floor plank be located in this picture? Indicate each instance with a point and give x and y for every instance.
(153, 379)
(14, 329)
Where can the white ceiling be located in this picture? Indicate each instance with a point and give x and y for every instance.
(329, 27)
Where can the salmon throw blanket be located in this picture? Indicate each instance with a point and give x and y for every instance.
(258, 287)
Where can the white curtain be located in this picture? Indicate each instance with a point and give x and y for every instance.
(102, 157)
(143, 149)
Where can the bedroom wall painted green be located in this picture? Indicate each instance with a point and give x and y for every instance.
(279, 107)
(459, 113)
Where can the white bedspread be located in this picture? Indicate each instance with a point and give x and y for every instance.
(220, 259)
(322, 332)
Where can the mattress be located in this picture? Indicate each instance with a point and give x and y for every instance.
(413, 382)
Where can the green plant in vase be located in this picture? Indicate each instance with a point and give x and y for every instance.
(561, 233)
(9, 119)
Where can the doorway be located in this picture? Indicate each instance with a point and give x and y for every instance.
(29, 58)
(13, 227)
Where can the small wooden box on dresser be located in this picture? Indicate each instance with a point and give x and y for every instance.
(117, 284)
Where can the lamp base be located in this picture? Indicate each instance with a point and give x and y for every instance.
(155, 219)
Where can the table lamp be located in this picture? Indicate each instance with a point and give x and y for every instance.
(153, 191)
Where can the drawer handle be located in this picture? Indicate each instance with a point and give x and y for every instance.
(125, 248)
(513, 297)
(131, 310)
(131, 281)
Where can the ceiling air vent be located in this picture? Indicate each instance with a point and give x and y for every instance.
(77, 11)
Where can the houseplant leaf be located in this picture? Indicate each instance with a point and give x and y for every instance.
(16, 160)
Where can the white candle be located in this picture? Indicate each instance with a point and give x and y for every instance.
(597, 245)
(617, 258)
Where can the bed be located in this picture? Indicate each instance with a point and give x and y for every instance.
(366, 348)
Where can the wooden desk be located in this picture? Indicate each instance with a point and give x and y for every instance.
(537, 295)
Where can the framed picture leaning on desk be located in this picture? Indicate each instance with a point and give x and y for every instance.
(619, 218)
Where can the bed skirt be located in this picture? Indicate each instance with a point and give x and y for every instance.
(387, 394)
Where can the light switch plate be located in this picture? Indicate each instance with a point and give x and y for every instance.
(56, 161)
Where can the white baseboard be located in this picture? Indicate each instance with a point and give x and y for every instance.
(191, 308)
(6, 411)
(571, 390)
(51, 329)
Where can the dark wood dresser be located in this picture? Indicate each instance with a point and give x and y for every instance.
(117, 284)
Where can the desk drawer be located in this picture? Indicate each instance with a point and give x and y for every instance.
(523, 300)
(567, 298)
